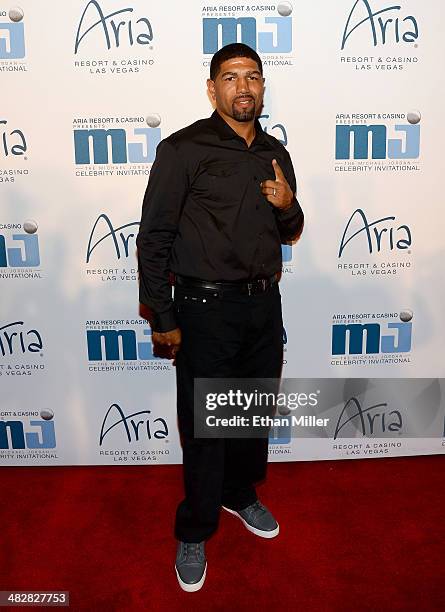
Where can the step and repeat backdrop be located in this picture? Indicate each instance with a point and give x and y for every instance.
(354, 90)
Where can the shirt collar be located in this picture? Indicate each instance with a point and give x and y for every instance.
(225, 132)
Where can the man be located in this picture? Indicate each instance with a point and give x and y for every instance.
(219, 203)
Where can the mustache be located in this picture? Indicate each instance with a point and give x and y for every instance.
(245, 97)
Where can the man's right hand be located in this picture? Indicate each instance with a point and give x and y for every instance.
(166, 344)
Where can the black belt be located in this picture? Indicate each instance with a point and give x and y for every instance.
(258, 285)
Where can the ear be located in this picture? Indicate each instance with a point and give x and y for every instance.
(211, 89)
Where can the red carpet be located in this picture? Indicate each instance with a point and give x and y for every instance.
(355, 536)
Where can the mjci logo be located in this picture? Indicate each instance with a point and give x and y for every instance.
(118, 345)
(373, 338)
(265, 35)
(23, 249)
(43, 436)
(375, 137)
(122, 151)
(12, 35)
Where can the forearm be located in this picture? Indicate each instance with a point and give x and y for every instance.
(290, 221)
(154, 278)
(161, 212)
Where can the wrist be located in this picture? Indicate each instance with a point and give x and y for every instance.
(287, 207)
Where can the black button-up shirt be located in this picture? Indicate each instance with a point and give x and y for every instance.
(204, 215)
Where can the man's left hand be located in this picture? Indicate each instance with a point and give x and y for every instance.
(278, 192)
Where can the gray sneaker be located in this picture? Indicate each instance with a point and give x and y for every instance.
(191, 566)
(257, 519)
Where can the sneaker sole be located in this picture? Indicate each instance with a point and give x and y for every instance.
(191, 588)
(259, 532)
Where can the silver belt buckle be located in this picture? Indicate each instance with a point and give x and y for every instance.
(249, 288)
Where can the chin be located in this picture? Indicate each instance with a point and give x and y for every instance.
(245, 116)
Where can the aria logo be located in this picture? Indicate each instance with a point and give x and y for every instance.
(138, 426)
(12, 36)
(271, 34)
(369, 421)
(119, 238)
(379, 235)
(380, 25)
(117, 29)
(13, 141)
(15, 339)
(278, 130)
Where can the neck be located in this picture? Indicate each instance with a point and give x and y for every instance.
(245, 129)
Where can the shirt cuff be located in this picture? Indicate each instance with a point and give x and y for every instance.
(289, 212)
(164, 321)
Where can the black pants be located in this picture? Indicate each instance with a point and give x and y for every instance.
(227, 335)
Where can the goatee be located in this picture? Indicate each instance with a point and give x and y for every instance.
(243, 115)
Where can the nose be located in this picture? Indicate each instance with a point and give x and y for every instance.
(242, 85)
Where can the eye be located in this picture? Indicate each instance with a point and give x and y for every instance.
(253, 78)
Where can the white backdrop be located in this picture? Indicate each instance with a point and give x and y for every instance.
(371, 251)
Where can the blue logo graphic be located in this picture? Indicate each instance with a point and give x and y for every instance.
(14, 339)
(25, 253)
(119, 345)
(18, 147)
(280, 134)
(44, 437)
(379, 234)
(113, 29)
(12, 41)
(286, 253)
(385, 25)
(352, 339)
(226, 30)
(120, 236)
(280, 434)
(121, 152)
(405, 147)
